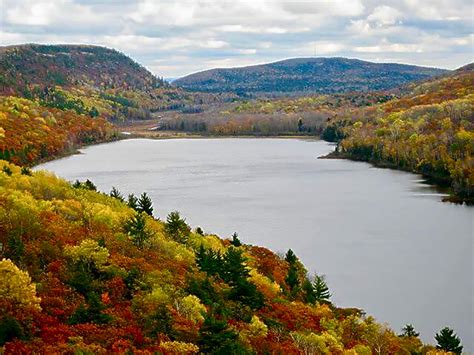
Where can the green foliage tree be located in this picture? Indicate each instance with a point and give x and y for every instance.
(160, 322)
(233, 267)
(321, 289)
(92, 313)
(292, 278)
(235, 240)
(145, 204)
(290, 257)
(215, 337)
(135, 227)
(176, 227)
(132, 202)
(115, 193)
(448, 341)
(10, 329)
(409, 331)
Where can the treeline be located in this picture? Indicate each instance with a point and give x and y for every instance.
(231, 124)
(89, 272)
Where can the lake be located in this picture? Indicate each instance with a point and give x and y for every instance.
(384, 240)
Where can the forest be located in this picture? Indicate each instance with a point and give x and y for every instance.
(87, 272)
(429, 131)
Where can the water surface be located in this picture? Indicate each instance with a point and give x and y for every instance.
(384, 240)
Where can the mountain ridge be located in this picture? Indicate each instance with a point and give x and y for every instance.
(305, 75)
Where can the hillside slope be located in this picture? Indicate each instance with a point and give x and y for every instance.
(306, 75)
(82, 272)
(90, 80)
(430, 130)
(30, 65)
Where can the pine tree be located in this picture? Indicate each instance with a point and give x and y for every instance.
(308, 292)
(115, 193)
(176, 227)
(321, 289)
(132, 202)
(89, 185)
(145, 204)
(291, 257)
(234, 268)
(135, 227)
(235, 240)
(448, 341)
(292, 279)
(409, 331)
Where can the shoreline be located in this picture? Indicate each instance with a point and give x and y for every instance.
(441, 185)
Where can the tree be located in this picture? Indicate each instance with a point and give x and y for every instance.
(132, 202)
(115, 193)
(448, 341)
(235, 240)
(135, 227)
(16, 286)
(145, 204)
(409, 331)
(176, 227)
(89, 185)
(321, 290)
(291, 257)
(292, 279)
(215, 337)
(233, 266)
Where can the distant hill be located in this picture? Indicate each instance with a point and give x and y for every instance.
(71, 65)
(90, 80)
(307, 75)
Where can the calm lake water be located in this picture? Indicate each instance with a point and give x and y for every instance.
(385, 241)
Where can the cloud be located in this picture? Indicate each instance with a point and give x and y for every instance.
(176, 37)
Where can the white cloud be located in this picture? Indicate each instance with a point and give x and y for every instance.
(175, 37)
(384, 16)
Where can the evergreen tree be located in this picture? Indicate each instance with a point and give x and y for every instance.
(208, 260)
(145, 204)
(233, 267)
(409, 331)
(291, 257)
(292, 279)
(321, 289)
(235, 240)
(176, 227)
(89, 185)
(308, 292)
(132, 202)
(215, 337)
(135, 227)
(115, 193)
(448, 341)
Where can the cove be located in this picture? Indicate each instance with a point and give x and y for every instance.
(384, 240)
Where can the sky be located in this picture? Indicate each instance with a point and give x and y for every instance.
(175, 38)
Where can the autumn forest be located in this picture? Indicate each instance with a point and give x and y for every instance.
(84, 271)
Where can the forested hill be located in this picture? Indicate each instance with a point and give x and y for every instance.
(24, 66)
(307, 75)
(429, 130)
(82, 272)
(91, 80)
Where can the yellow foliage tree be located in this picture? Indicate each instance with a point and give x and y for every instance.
(16, 286)
(88, 252)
